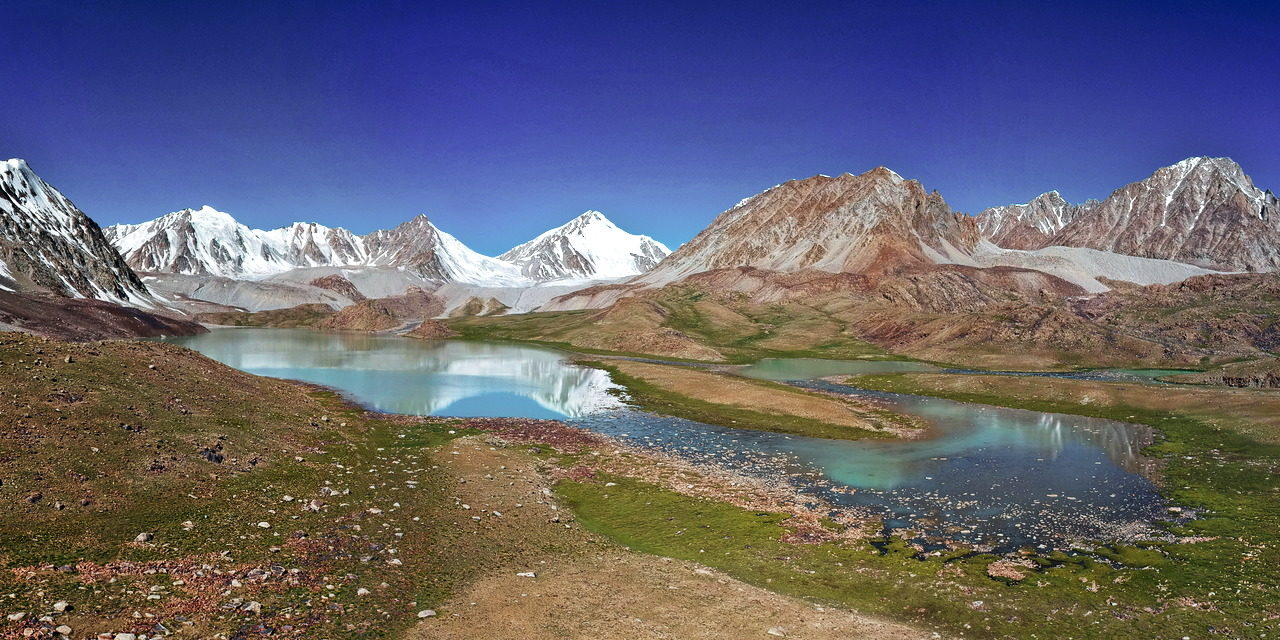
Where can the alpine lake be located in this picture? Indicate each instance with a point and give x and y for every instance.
(996, 478)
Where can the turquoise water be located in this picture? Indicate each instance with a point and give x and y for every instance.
(1002, 478)
(417, 377)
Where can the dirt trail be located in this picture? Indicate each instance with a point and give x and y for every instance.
(588, 587)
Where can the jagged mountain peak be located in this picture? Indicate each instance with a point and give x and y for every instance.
(873, 220)
(1203, 211)
(49, 244)
(590, 246)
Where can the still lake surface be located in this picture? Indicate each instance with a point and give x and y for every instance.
(1004, 478)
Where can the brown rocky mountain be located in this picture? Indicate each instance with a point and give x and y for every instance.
(873, 222)
(1201, 211)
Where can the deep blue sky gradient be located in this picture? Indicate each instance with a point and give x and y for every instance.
(501, 120)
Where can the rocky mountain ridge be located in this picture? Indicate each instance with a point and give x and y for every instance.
(1200, 211)
(872, 222)
(47, 244)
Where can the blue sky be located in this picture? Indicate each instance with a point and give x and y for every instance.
(501, 120)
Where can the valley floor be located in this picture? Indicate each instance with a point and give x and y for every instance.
(148, 490)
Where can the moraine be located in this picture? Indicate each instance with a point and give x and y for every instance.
(994, 477)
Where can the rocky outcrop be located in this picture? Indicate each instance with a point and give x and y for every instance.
(476, 306)
(339, 284)
(47, 244)
(382, 314)
(1201, 211)
(430, 330)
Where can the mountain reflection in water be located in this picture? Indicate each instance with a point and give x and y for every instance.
(418, 377)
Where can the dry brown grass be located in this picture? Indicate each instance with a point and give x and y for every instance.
(737, 392)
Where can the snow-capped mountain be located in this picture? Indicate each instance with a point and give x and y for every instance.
(1201, 211)
(48, 244)
(208, 242)
(422, 247)
(201, 241)
(588, 247)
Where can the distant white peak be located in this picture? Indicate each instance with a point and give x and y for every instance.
(16, 164)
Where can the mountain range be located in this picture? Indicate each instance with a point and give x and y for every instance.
(208, 242)
(1201, 211)
(1201, 216)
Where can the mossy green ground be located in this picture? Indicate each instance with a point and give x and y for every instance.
(1224, 584)
(112, 444)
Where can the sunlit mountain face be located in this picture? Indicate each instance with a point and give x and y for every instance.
(398, 375)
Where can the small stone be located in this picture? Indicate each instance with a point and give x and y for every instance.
(264, 525)
(427, 613)
(14, 617)
(127, 636)
(61, 606)
(68, 360)
(777, 631)
(144, 537)
(63, 629)
(286, 499)
(362, 591)
(253, 606)
(527, 574)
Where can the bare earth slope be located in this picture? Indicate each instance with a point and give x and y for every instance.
(601, 591)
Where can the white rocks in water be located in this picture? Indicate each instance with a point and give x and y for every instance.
(527, 574)
(427, 613)
(362, 591)
(143, 537)
(61, 606)
(264, 525)
(777, 631)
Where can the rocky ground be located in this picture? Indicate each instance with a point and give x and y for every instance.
(85, 319)
(596, 589)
